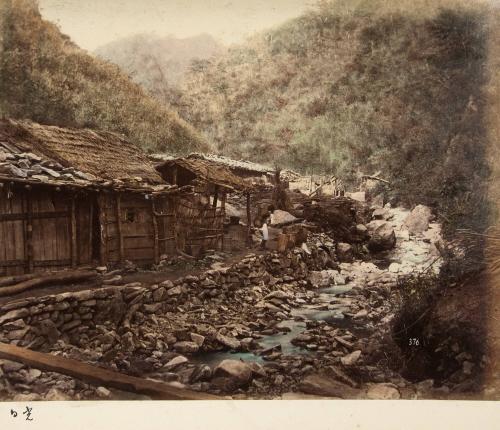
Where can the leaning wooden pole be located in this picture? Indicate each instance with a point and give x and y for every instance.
(249, 220)
(99, 376)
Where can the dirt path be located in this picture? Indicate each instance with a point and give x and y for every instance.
(143, 276)
(492, 380)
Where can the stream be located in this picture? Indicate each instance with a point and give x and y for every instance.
(409, 255)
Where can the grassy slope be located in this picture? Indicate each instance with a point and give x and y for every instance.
(47, 78)
(358, 87)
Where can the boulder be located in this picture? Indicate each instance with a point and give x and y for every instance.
(383, 392)
(56, 395)
(228, 341)
(320, 385)
(351, 359)
(186, 347)
(103, 392)
(280, 217)
(359, 196)
(418, 220)
(378, 201)
(237, 371)
(361, 230)
(322, 278)
(197, 338)
(381, 213)
(176, 361)
(345, 252)
(382, 236)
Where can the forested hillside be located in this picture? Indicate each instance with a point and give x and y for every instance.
(353, 90)
(45, 77)
(159, 64)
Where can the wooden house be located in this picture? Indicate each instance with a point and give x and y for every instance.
(73, 197)
(203, 218)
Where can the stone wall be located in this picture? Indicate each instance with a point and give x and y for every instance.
(39, 322)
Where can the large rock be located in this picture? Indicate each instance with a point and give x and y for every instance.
(228, 341)
(418, 220)
(186, 347)
(345, 252)
(383, 392)
(176, 361)
(351, 359)
(280, 217)
(323, 278)
(237, 371)
(359, 196)
(382, 236)
(320, 385)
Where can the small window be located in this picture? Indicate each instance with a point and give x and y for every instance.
(130, 215)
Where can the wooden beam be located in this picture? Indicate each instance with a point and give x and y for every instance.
(73, 233)
(39, 215)
(51, 278)
(118, 207)
(9, 280)
(99, 376)
(156, 243)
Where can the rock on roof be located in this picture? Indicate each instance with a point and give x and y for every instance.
(47, 153)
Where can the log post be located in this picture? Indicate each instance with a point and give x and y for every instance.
(29, 232)
(223, 215)
(249, 220)
(91, 225)
(155, 233)
(103, 230)
(174, 175)
(216, 192)
(73, 232)
(119, 226)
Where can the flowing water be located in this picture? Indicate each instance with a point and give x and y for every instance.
(295, 327)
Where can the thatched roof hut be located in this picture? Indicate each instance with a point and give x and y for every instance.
(194, 170)
(71, 197)
(55, 155)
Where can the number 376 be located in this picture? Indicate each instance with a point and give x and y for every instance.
(414, 341)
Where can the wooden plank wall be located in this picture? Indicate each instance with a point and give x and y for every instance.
(12, 244)
(47, 244)
(166, 219)
(129, 228)
(199, 226)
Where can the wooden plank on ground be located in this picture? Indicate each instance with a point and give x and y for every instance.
(95, 375)
(51, 278)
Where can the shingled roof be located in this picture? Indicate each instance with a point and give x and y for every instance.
(208, 171)
(32, 151)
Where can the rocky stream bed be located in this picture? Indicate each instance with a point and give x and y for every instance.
(312, 322)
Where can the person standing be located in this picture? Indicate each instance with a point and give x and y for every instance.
(265, 235)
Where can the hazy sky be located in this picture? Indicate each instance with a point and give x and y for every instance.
(91, 23)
